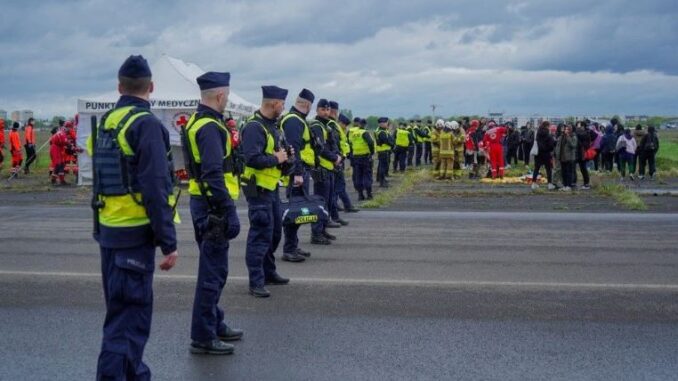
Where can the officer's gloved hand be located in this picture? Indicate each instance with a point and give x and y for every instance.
(232, 223)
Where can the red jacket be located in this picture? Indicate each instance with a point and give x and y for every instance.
(470, 146)
(494, 135)
(57, 145)
(29, 135)
(14, 141)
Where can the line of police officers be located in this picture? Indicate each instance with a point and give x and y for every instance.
(134, 202)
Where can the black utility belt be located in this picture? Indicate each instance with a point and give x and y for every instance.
(362, 156)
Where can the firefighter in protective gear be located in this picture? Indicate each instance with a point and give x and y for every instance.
(493, 142)
(133, 217)
(213, 187)
(446, 152)
(15, 150)
(458, 148)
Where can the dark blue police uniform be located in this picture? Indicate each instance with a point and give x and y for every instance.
(128, 253)
(263, 207)
(207, 323)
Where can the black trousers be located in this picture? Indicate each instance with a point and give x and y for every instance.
(527, 147)
(583, 168)
(30, 155)
(567, 169)
(512, 155)
(647, 158)
(546, 163)
(608, 161)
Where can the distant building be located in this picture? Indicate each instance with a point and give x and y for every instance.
(21, 116)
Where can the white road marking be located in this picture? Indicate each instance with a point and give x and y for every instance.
(390, 282)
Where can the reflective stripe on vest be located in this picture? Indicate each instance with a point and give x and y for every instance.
(126, 210)
(266, 178)
(416, 130)
(382, 147)
(321, 160)
(427, 138)
(344, 146)
(446, 148)
(402, 137)
(307, 153)
(230, 181)
(355, 137)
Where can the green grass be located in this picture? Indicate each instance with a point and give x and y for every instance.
(623, 196)
(667, 157)
(406, 184)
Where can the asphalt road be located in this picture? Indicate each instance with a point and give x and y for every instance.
(403, 295)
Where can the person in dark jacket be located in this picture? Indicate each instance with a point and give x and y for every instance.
(545, 145)
(527, 140)
(566, 153)
(512, 144)
(607, 148)
(649, 145)
(583, 144)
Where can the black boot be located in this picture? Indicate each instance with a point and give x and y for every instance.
(361, 197)
(214, 347)
(320, 240)
(230, 334)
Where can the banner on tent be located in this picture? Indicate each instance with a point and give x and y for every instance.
(86, 106)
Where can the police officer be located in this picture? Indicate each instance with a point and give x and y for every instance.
(340, 146)
(403, 140)
(264, 157)
(130, 225)
(362, 146)
(384, 145)
(419, 135)
(328, 160)
(344, 125)
(428, 154)
(411, 149)
(213, 187)
(298, 136)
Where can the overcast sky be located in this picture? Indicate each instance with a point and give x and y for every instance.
(394, 58)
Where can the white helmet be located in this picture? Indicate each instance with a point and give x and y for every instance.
(448, 125)
(440, 123)
(454, 125)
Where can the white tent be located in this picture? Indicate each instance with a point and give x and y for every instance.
(175, 97)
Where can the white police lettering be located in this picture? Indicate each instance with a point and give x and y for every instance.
(135, 263)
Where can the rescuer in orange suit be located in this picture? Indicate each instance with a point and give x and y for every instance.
(29, 140)
(15, 149)
(2, 142)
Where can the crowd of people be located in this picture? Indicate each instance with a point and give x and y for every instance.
(275, 151)
(486, 148)
(63, 150)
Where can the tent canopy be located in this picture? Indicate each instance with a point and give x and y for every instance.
(175, 97)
